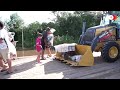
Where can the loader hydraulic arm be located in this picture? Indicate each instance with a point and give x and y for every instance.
(81, 41)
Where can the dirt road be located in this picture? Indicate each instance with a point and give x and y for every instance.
(26, 68)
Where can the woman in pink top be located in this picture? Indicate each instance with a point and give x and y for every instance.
(38, 47)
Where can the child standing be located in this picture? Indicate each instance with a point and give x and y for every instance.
(38, 47)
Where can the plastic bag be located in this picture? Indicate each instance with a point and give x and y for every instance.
(76, 58)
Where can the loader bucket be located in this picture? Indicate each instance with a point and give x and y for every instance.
(87, 58)
(58, 55)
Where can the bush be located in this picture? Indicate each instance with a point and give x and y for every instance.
(64, 39)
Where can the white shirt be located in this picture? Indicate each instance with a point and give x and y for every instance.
(3, 35)
(12, 48)
(11, 36)
(50, 38)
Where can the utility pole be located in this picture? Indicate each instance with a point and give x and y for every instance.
(22, 43)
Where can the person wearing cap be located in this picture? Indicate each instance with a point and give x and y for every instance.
(4, 49)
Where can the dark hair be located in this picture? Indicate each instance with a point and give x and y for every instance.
(40, 34)
(1, 24)
(48, 29)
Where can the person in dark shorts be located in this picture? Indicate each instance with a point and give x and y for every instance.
(43, 42)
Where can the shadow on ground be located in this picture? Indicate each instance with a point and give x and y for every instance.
(68, 71)
(19, 68)
(54, 67)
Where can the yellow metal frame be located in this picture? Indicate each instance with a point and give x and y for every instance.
(87, 58)
(99, 30)
(113, 52)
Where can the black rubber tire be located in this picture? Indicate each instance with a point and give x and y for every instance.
(105, 52)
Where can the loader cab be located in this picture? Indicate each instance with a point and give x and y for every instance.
(117, 22)
(89, 34)
(106, 19)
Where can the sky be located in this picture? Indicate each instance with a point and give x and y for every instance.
(29, 16)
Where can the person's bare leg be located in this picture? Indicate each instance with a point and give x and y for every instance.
(38, 60)
(48, 52)
(38, 57)
(42, 54)
(10, 65)
(2, 64)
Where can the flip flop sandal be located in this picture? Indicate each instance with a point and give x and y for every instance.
(3, 70)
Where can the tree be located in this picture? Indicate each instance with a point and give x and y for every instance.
(30, 34)
(34, 26)
(91, 17)
(15, 22)
(51, 24)
(44, 26)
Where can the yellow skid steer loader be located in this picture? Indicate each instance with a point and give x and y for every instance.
(104, 38)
